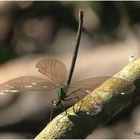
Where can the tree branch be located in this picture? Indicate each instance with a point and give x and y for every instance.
(94, 110)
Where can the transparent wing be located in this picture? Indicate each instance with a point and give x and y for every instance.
(84, 87)
(53, 69)
(79, 89)
(26, 83)
(87, 84)
(92, 83)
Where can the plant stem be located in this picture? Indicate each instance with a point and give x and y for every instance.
(108, 97)
(76, 47)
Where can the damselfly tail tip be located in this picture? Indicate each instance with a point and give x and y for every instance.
(81, 13)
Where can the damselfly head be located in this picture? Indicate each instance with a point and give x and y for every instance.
(56, 102)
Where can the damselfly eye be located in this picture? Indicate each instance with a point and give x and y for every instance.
(56, 102)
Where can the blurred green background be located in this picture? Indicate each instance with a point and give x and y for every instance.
(31, 30)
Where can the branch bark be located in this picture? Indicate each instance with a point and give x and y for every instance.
(96, 108)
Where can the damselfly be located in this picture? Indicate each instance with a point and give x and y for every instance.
(56, 72)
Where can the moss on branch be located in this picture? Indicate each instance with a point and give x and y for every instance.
(96, 108)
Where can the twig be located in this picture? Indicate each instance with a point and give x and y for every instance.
(107, 100)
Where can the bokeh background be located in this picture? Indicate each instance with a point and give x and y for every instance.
(33, 30)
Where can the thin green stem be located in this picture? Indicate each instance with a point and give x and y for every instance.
(76, 47)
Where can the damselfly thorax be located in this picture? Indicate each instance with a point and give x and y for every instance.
(61, 95)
